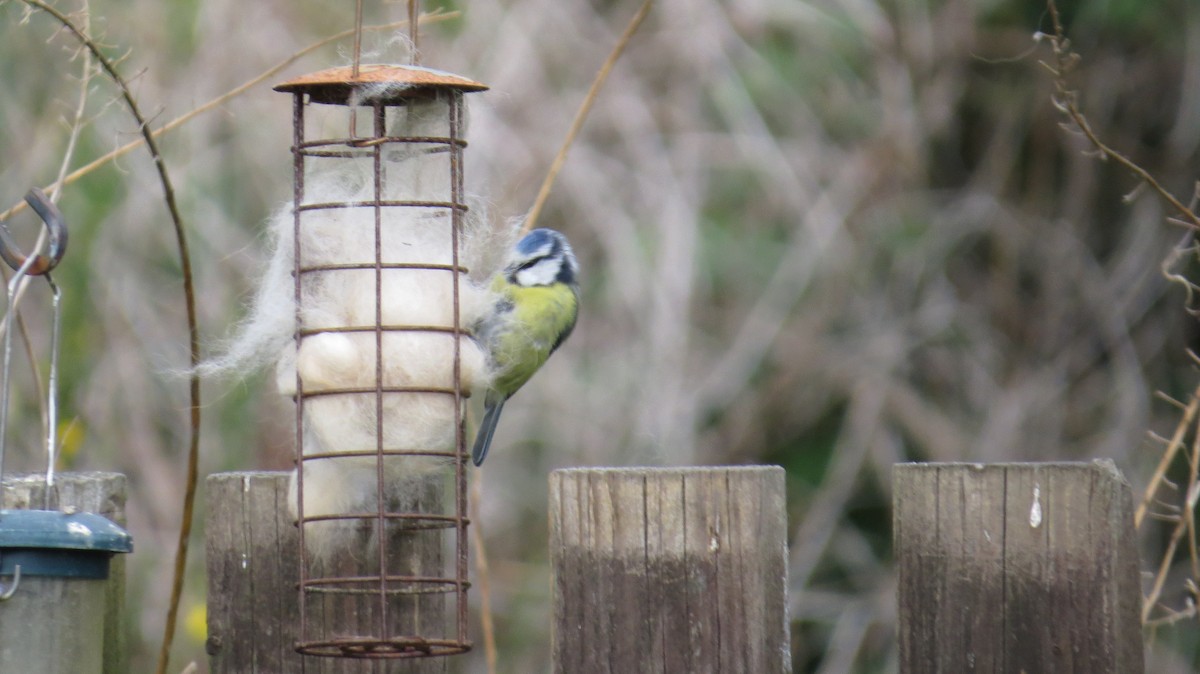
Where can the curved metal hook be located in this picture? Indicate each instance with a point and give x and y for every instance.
(55, 225)
(7, 592)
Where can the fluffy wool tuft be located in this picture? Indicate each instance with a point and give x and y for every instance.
(332, 301)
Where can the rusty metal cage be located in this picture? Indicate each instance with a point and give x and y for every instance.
(385, 592)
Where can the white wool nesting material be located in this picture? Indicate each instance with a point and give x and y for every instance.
(332, 300)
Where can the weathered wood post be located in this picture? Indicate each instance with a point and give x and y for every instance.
(60, 623)
(1023, 568)
(253, 568)
(662, 570)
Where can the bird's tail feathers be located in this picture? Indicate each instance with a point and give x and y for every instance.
(487, 428)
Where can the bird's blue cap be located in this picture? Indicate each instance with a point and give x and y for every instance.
(537, 239)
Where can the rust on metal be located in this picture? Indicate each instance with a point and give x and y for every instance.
(385, 204)
(387, 84)
(56, 227)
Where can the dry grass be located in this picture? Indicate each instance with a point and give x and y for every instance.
(831, 235)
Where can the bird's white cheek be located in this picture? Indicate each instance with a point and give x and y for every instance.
(541, 274)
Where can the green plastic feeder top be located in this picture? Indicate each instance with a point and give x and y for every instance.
(55, 543)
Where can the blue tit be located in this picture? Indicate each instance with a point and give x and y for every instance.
(538, 302)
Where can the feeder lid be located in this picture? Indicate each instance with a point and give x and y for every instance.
(55, 530)
(389, 83)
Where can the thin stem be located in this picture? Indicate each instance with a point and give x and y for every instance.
(358, 29)
(483, 574)
(581, 115)
(1189, 413)
(1189, 513)
(1066, 100)
(1160, 578)
(414, 31)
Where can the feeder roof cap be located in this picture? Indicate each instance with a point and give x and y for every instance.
(377, 81)
(56, 530)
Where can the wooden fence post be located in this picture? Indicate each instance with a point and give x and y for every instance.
(93, 492)
(1023, 568)
(669, 570)
(253, 570)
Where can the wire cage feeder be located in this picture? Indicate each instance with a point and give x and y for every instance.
(379, 385)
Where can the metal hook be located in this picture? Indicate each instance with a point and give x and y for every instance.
(26, 265)
(6, 593)
(5, 379)
(57, 228)
(52, 390)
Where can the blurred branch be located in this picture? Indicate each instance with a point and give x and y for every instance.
(764, 321)
(190, 302)
(436, 16)
(85, 79)
(1186, 247)
(483, 573)
(581, 115)
(828, 506)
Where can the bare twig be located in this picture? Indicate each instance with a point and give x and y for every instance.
(1066, 100)
(1164, 566)
(1162, 395)
(1185, 524)
(85, 79)
(1185, 421)
(1174, 616)
(217, 102)
(581, 115)
(1186, 246)
(190, 304)
(1189, 513)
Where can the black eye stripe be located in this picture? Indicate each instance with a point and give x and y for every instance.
(530, 263)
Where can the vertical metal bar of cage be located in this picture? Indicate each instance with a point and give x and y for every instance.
(297, 200)
(460, 442)
(379, 113)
